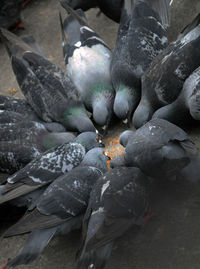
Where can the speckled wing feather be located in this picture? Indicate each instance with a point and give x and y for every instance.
(45, 168)
(51, 76)
(21, 130)
(19, 106)
(14, 156)
(164, 79)
(141, 37)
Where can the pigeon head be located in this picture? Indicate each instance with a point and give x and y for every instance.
(75, 118)
(96, 158)
(121, 105)
(89, 140)
(124, 137)
(101, 114)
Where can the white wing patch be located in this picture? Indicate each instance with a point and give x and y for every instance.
(104, 187)
(78, 44)
(86, 28)
(192, 35)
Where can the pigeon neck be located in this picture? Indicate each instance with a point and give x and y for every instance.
(176, 113)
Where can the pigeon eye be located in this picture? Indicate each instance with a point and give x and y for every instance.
(97, 140)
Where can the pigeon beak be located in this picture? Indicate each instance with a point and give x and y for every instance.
(108, 157)
(125, 121)
(101, 144)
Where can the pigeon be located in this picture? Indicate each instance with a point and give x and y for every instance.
(119, 200)
(50, 93)
(142, 35)
(185, 109)
(60, 208)
(159, 148)
(45, 168)
(164, 79)
(22, 141)
(87, 60)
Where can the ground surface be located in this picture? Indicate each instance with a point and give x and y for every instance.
(169, 241)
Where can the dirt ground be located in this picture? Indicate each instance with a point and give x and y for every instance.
(169, 241)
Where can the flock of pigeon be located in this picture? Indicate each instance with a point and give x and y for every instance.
(62, 179)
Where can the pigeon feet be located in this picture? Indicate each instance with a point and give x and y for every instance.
(149, 215)
(25, 3)
(5, 265)
(19, 25)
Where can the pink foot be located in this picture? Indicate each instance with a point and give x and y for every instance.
(25, 3)
(149, 215)
(5, 265)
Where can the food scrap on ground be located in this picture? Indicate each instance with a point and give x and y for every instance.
(12, 91)
(114, 148)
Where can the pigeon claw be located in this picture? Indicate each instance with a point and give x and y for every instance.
(149, 215)
(25, 3)
(18, 26)
(5, 265)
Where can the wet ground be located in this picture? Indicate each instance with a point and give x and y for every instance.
(169, 241)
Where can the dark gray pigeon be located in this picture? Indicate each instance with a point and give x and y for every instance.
(60, 208)
(22, 141)
(186, 108)
(50, 93)
(119, 199)
(164, 79)
(24, 112)
(142, 35)
(159, 148)
(87, 60)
